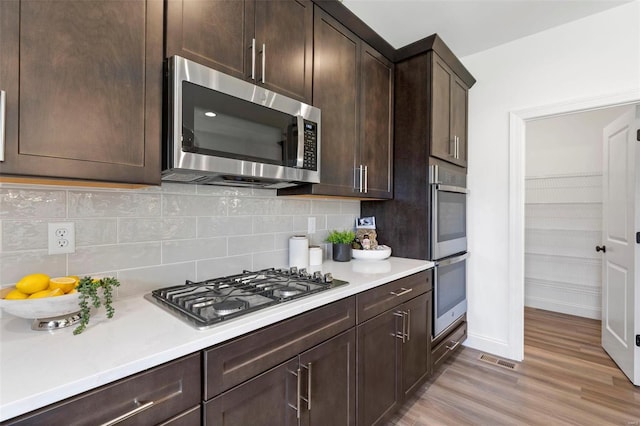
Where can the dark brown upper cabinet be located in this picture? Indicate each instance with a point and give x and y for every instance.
(449, 114)
(269, 43)
(83, 83)
(353, 87)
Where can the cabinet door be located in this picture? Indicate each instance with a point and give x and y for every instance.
(330, 382)
(217, 34)
(84, 89)
(269, 399)
(459, 119)
(285, 28)
(378, 360)
(416, 351)
(376, 123)
(441, 138)
(335, 81)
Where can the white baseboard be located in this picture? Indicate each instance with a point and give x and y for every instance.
(491, 346)
(564, 308)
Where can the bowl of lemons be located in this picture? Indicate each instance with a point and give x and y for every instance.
(38, 296)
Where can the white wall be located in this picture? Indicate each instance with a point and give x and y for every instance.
(595, 56)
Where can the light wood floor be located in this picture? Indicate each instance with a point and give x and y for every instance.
(566, 378)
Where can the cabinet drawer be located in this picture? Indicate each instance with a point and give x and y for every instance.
(232, 363)
(188, 418)
(448, 345)
(166, 391)
(377, 300)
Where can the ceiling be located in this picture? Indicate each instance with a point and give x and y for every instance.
(470, 26)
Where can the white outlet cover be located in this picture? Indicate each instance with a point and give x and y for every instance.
(61, 237)
(311, 225)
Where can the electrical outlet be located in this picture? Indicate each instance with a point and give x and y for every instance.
(311, 225)
(62, 238)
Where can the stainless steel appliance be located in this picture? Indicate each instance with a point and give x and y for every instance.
(448, 212)
(205, 304)
(226, 131)
(449, 291)
(448, 245)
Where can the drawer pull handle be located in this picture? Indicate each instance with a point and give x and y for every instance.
(401, 293)
(408, 324)
(143, 406)
(454, 346)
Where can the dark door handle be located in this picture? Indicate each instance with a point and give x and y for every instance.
(601, 248)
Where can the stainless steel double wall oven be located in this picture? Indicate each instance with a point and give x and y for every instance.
(448, 245)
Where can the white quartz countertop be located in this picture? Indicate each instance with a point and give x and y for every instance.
(38, 368)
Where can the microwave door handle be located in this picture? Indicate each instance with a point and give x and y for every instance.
(300, 150)
(453, 260)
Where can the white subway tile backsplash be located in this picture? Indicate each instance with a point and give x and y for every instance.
(24, 235)
(325, 207)
(17, 203)
(301, 223)
(151, 237)
(341, 221)
(143, 280)
(15, 265)
(222, 267)
(193, 205)
(250, 244)
(186, 250)
(95, 259)
(267, 224)
(272, 259)
(113, 204)
(155, 229)
(221, 226)
(94, 232)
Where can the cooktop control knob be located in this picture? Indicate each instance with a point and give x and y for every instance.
(317, 276)
(328, 277)
(293, 270)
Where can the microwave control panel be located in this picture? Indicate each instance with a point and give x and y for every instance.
(310, 154)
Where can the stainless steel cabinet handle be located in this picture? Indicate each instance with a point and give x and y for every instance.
(361, 172)
(308, 367)
(264, 60)
(143, 406)
(408, 324)
(401, 335)
(454, 346)
(457, 147)
(366, 179)
(253, 59)
(3, 119)
(298, 387)
(403, 292)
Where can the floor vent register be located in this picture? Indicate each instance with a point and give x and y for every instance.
(497, 361)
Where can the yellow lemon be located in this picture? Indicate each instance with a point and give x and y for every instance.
(33, 283)
(75, 277)
(46, 293)
(66, 284)
(73, 291)
(15, 294)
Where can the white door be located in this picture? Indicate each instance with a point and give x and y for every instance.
(621, 221)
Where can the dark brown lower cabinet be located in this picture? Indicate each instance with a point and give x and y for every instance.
(393, 358)
(315, 388)
(160, 395)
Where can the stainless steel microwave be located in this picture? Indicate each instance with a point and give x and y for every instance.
(226, 131)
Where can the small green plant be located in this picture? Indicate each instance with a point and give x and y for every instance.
(88, 289)
(341, 237)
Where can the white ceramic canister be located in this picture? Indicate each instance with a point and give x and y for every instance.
(299, 251)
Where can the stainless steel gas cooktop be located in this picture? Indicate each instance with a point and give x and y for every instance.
(206, 303)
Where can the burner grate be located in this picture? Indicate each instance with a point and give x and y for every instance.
(208, 302)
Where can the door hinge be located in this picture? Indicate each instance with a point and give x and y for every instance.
(638, 237)
(638, 135)
(637, 339)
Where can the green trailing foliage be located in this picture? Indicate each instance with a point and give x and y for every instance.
(88, 289)
(341, 237)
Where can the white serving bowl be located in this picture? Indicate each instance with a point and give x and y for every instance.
(379, 253)
(45, 307)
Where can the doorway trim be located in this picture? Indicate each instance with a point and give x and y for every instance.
(517, 136)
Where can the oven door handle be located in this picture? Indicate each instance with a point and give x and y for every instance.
(451, 188)
(452, 260)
